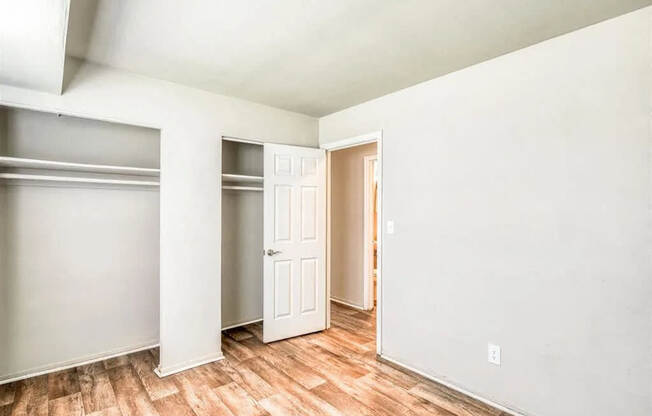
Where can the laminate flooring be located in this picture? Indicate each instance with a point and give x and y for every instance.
(334, 372)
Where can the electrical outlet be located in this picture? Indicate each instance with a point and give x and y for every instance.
(390, 227)
(494, 354)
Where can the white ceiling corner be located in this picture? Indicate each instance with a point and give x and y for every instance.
(33, 43)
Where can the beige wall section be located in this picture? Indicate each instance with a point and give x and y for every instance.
(520, 190)
(347, 223)
(191, 123)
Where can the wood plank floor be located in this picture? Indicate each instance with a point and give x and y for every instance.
(330, 373)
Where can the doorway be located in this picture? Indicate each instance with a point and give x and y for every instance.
(354, 264)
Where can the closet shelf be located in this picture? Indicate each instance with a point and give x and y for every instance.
(230, 177)
(242, 188)
(69, 179)
(16, 162)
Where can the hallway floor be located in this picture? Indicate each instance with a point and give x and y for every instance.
(329, 373)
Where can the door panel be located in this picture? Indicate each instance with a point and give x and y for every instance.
(282, 289)
(282, 213)
(309, 294)
(309, 213)
(294, 283)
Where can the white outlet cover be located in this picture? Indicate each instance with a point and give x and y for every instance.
(390, 227)
(493, 354)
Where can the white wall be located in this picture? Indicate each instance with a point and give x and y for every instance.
(347, 223)
(520, 189)
(191, 123)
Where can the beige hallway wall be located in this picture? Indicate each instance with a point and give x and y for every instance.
(347, 223)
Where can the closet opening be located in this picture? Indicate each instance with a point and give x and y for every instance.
(242, 233)
(273, 241)
(79, 242)
(353, 236)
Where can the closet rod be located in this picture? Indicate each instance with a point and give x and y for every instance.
(18, 162)
(47, 178)
(242, 188)
(241, 178)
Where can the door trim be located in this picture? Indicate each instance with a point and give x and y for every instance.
(345, 303)
(376, 136)
(367, 241)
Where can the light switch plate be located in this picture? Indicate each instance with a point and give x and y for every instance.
(390, 227)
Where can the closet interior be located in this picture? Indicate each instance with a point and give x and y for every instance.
(242, 232)
(79, 240)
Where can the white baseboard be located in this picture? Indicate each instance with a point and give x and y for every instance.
(188, 364)
(454, 387)
(76, 363)
(342, 302)
(242, 324)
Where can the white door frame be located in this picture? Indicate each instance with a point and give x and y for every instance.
(367, 241)
(372, 137)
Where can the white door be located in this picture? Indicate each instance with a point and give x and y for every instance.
(294, 285)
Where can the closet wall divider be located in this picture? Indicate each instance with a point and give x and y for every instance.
(242, 232)
(79, 240)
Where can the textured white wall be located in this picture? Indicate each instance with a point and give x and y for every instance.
(521, 190)
(191, 123)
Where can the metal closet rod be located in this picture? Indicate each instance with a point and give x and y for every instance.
(19, 162)
(242, 188)
(72, 179)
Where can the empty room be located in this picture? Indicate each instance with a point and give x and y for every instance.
(342, 207)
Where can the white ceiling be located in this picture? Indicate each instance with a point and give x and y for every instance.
(32, 43)
(316, 56)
